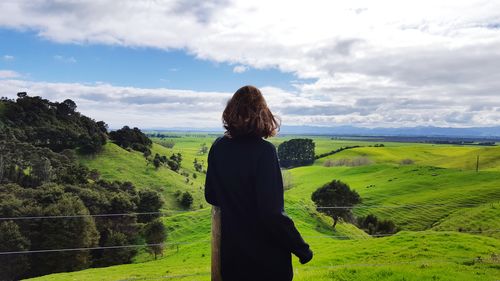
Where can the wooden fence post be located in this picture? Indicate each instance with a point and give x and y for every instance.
(216, 234)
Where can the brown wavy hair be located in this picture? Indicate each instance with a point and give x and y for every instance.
(247, 114)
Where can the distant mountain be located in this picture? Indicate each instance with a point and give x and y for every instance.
(421, 131)
(405, 131)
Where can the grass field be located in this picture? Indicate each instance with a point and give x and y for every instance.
(431, 200)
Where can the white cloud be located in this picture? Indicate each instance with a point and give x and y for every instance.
(374, 63)
(8, 58)
(240, 69)
(6, 74)
(163, 107)
(64, 59)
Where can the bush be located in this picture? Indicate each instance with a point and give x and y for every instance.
(374, 226)
(186, 200)
(406, 161)
(12, 267)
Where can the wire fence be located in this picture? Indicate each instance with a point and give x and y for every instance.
(358, 236)
(170, 212)
(347, 237)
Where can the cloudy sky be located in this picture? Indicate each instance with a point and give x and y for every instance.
(169, 63)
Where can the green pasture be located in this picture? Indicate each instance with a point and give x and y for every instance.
(446, 211)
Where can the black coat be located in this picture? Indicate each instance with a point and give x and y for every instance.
(257, 239)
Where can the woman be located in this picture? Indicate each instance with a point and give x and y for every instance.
(244, 180)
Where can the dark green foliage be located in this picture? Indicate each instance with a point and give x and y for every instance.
(40, 176)
(203, 149)
(198, 166)
(335, 151)
(132, 138)
(186, 200)
(100, 197)
(373, 226)
(296, 152)
(29, 166)
(155, 233)
(12, 267)
(54, 125)
(174, 162)
(149, 201)
(335, 199)
(78, 232)
(162, 160)
(108, 257)
(157, 161)
(94, 175)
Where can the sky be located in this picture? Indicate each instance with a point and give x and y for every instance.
(175, 63)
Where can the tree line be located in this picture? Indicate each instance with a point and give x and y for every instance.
(40, 176)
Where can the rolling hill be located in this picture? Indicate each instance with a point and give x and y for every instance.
(447, 213)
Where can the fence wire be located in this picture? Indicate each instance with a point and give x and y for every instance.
(344, 237)
(168, 213)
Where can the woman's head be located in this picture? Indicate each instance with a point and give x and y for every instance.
(247, 114)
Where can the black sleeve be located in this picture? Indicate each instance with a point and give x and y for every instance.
(210, 184)
(269, 189)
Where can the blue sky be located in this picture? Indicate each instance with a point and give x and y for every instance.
(39, 59)
(175, 63)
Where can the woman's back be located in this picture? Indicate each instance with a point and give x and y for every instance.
(244, 180)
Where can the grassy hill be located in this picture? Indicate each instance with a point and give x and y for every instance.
(116, 163)
(431, 200)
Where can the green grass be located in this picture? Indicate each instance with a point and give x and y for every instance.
(482, 219)
(407, 185)
(115, 163)
(459, 157)
(434, 190)
(405, 256)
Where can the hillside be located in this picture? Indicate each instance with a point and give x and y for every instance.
(116, 163)
(429, 203)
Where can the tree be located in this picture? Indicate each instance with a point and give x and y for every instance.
(41, 169)
(155, 233)
(338, 198)
(203, 149)
(198, 166)
(108, 257)
(296, 152)
(131, 138)
(149, 202)
(77, 232)
(50, 124)
(103, 127)
(186, 200)
(174, 162)
(157, 161)
(12, 267)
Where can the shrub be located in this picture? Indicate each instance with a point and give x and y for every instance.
(374, 226)
(406, 161)
(186, 200)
